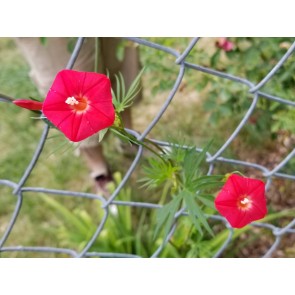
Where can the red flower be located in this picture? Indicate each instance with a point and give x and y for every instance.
(224, 44)
(28, 104)
(79, 104)
(241, 200)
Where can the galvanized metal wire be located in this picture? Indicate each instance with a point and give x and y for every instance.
(212, 159)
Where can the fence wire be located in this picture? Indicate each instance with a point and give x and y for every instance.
(212, 159)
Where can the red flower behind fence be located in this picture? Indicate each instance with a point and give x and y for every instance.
(242, 200)
(224, 44)
(79, 104)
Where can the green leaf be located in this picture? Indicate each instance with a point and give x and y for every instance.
(215, 58)
(134, 88)
(209, 184)
(195, 211)
(252, 58)
(206, 200)
(205, 182)
(202, 155)
(123, 90)
(192, 162)
(102, 133)
(66, 214)
(118, 88)
(158, 172)
(189, 202)
(206, 178)
(121, 99)
(165, 216)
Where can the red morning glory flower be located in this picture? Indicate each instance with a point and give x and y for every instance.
(28, 104)
(224, 44)
(79, 104)
(242, 200)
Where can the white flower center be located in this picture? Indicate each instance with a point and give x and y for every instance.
(72, 101)
(245, 201)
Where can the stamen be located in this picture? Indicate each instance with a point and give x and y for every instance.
(245, 201)
(72, 101)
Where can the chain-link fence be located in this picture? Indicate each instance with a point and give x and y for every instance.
(212, 159)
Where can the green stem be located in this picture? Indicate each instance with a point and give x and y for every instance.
(189, 234)
(6, 98)
(173, 245)
(121, 125)
(238, 172)
(133, 139)
(155, 145)
(164, 193)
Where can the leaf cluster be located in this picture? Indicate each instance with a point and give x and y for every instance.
(253, 59)
(123, 98)
(190, 189)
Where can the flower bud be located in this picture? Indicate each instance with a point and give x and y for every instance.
(28, 104)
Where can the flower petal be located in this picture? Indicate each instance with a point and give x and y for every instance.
(78, 123)
(235, 188)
